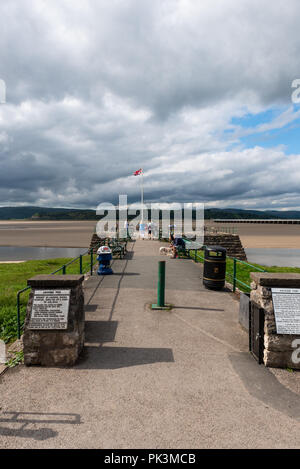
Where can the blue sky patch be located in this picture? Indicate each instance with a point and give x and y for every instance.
(287, 136)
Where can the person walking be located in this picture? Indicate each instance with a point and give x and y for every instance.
(150, 230)
(142, 229)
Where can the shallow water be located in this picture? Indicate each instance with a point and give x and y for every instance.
(270, 257)
(8, 253)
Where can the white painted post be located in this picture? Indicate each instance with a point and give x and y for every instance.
(2, 352)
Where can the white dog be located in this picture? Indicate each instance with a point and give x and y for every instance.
(165, 251)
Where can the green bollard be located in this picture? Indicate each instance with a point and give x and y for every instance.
(161, 283)
(161, 287)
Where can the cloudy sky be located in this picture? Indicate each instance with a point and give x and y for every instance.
(197, 93)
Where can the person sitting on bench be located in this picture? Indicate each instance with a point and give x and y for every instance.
(177, 244)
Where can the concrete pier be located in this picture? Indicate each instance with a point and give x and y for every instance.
(149, 379)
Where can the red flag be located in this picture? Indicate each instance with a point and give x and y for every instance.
(138, 172)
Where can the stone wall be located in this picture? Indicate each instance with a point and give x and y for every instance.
(278, 351)
(2, 352)
(96, 242)
(56, 347)
(231, 242)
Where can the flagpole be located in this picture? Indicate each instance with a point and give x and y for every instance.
(142, 196)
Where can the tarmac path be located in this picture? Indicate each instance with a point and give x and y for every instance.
(149, 379)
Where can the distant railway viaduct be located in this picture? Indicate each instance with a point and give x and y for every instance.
(257, 220)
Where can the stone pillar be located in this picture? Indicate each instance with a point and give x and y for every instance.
(55, 347)
(279, 351)
(2, 352)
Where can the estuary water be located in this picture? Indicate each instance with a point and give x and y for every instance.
(274, 257)
(19, 253)
(266, 256)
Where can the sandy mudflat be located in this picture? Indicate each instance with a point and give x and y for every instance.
(265, 236)
(275, 242)
(47, 233)
(79, 233)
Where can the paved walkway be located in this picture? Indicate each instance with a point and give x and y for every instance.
(177, 379)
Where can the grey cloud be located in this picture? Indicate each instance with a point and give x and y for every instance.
(155, 52)
(97, 91)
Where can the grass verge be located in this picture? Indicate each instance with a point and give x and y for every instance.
(13, 277)
(243, 271)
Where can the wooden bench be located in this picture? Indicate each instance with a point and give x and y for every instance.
(191, 246)
(118, 248)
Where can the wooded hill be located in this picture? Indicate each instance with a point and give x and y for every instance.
(46, 213)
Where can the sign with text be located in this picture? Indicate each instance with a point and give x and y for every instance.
(286, 302)
(50, 309)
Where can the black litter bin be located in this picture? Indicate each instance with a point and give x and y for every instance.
(214, 267)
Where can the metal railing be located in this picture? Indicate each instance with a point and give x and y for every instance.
(193, 253)
(208, 230)
(220, 230)
(62, 269)
(234, 275)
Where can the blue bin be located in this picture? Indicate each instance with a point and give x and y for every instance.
(104, 258)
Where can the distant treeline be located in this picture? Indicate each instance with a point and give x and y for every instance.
(45, 213)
